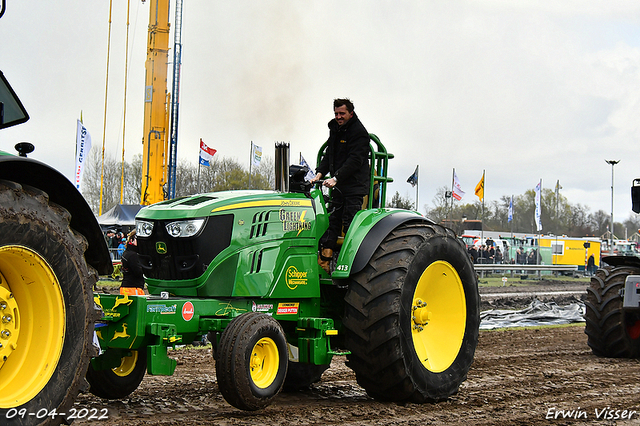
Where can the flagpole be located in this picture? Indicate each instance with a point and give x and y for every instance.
(484, 185)
(250, 162)
(417, 186)
(199, 165)
(557, 222)
(453, 174)
(511, 223)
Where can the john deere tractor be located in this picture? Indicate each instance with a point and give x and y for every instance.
(613, 302)
(241, 268)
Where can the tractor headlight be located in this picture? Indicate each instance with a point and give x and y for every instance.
(185, 228)
(144, 228)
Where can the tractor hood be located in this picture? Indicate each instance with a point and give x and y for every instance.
(203, 205)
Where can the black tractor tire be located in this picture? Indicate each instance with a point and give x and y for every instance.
(46, 285)
(611, 332)
(412, 316)
(300, 376)
(251, 363)
(119, 382)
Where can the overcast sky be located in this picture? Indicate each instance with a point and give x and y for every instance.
(526, 90)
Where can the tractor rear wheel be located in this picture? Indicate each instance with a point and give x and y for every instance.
(611, 332)
(412, 316)
(119, 382)
(46, 303)
(252, 361)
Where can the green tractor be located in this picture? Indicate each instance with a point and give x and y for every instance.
(241, 267)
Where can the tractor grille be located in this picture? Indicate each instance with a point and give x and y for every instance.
(168, 258)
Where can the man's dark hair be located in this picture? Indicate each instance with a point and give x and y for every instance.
(346, 102)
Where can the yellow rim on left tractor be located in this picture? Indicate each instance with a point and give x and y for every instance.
(32, 324)
(438, 316)
(264, 362)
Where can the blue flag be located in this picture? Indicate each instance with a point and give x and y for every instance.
(413, 179)
(510, 209)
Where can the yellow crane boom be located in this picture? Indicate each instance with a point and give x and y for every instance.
(156, 111)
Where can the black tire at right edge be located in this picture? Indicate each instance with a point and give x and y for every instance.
(606, 321)
(378, 316)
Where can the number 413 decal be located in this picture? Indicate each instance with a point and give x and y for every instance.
(342, 268)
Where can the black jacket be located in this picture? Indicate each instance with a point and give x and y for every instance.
(132, 275)
(347, 156)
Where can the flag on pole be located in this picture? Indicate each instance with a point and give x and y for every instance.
(310, 174)
(83, 146)
(206, 154)
(457, 192)
(256, 154)
(510, 217)
(413, 179)
(538, 212)
(480, 188)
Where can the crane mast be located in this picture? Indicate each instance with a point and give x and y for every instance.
(156, 112)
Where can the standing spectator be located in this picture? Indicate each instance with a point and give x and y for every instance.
(591, 265)
(132, 276)
(498, 256)
(473, 252)
(491, 253)
(109, 240)
(121, 247)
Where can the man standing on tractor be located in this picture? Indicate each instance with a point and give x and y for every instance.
(346, 160)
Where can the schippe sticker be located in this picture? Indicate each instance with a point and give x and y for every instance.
(287, 308)
(187, 311)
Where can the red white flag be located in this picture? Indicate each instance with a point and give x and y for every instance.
(206, 154)
(457, 192)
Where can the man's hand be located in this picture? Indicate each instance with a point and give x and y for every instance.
(330, 183)
(316, 178)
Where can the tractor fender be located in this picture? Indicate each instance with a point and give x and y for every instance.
(618, 261)
(368, 229)
(61, 191)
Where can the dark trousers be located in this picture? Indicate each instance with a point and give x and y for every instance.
(344, 209)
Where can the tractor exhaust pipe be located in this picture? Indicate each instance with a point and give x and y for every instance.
(282, 167)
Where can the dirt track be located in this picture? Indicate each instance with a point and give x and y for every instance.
(518, 377)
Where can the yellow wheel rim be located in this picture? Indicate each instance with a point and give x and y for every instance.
(264, 362)
(32, 324)
(439, 315)
(127, 365)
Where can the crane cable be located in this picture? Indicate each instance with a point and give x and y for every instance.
(106, 91)
(124, 118)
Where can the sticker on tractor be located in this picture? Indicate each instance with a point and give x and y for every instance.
(294, 221)
(162, 309)
(294, 278)
(287, 308)
(187, 311)
(263, 307)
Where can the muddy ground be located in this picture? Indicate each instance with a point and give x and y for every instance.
(522, 377)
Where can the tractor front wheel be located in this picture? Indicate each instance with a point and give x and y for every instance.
(252, 361)
(412, 316)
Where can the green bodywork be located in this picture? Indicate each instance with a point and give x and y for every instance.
(266, 261)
